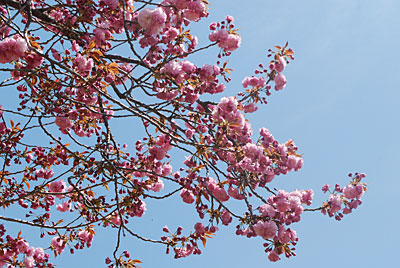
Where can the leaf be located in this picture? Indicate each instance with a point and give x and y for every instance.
(278, 47)
(27, 184)
(113, 66)
(34, 80)
(206, 196)
(92, 44)
(209, 234)
(204, 240)
(96, 54)
(136, 261)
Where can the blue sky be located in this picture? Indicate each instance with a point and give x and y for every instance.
(340, 106)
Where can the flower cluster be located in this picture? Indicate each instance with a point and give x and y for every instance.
(12, 48)
(83, 67)
(224, 35)
(344, 200)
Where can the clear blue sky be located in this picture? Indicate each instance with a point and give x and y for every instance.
(341, 107)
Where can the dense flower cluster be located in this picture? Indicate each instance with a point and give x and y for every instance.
(80, 68)
(12, 48)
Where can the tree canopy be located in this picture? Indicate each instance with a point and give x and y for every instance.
(78, 67)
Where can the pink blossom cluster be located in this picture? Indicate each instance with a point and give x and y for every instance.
(152, 21)
(102, 33)
(12, 48)
(64, 207)
(46, 174)
(162, 146)
(187, 196)
(225, 35)
(63, 122)
(254, 82)
(58, 187)
(227, 41)
(181, 72)
(157, 186)
(184, 246)
(136, 208)
(58, 244)
(33, 59)
(191, 10)
(227, 112)
(32, 256)
(113, 4)
(265, 229)
(85, 237)
(280, 81)
(288, 158)
(343, 201)
(226, 217)
(83, 65)
(287, 207)
(218, 192)
(278, 66)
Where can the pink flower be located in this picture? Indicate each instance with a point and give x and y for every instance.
(56, 54)
(22, 246)
(325, 187)
(286, 236)
(307, 197)
(226, 217)
(231, 43)
(158, 186)
(199, 227)
(266, 229)
(33, 60)
(219, 35)
(167, 170)
(58, 244)
(83, 65)
(158, 152)
(29, 262)
(280, 65)
(353, 191)
(38, 254)
(11, 49)
(273, 256)
(280, 81)
(75, 46)
(187, 196)
(250, 108)
(195, 11)
(267, 210)
(64, 207)
(218, 192)
(58, 187)
(152, 20)
(234, 193)
(335, 203)
(85, 237)
(189, 133)
(140, 209)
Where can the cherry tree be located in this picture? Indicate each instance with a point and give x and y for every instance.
(79, 66)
